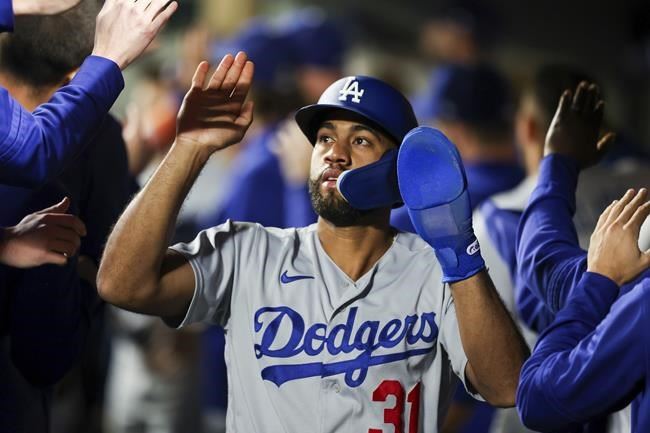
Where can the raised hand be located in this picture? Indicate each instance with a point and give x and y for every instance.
(42, 7)
(614, 246)
(576, 125)
(47, 236)
(126, 27)
(215, 115)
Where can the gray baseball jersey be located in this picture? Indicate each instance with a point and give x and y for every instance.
(308, 349)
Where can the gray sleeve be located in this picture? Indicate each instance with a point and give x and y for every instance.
(218, 257)
(450, 339)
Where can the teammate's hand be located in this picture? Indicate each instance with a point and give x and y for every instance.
(576, 125)
(214, 115)
(126, 27)
(47, 236)
(42, 7)
(614, 246)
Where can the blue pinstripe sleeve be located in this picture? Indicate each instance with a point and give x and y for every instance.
(36, 147)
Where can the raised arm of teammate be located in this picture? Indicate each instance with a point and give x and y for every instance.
(549, 258)
(137, 272)
(587, 362)
(36, 147)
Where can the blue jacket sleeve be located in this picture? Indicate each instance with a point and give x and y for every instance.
(36, 147)
(6, 16)
(570, 377)
(550, 261)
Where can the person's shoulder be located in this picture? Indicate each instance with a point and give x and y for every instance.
(413, 244)
(514, 199)
(275, 233)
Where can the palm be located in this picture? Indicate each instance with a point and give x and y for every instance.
(215, 116)
(576, 126)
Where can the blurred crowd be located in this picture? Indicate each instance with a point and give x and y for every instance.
(128, 373)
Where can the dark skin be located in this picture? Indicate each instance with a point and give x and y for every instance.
(575, 128)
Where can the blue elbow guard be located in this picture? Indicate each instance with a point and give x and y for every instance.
(433, 185)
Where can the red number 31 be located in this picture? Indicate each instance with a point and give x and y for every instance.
(394, 415)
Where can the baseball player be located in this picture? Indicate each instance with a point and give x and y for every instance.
(345, 325)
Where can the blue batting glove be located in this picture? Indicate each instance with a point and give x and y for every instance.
(433, 185)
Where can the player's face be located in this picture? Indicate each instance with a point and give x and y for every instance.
(341, 144)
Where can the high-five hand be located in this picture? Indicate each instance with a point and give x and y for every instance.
(215, 115)
(125, 28)
(614, 247)
(576, 125)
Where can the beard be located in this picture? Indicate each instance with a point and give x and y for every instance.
(332, 207)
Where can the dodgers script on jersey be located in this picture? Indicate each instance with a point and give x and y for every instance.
(308, 349)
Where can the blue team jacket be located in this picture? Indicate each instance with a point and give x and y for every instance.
(577, 371)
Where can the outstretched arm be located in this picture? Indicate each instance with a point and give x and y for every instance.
(36, 147)
(569, 378)
(549, 259)
(494, 347)
(137, 272)
(433, 185)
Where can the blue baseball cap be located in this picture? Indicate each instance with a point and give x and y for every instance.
(383, 106)
(477, 94)
(264, 46)
(314, 38)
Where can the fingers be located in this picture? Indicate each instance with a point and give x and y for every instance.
(619, 206)
(66, 221)
(639, 210)
(220, 73)
(246, 115)
(637, 200)
(63, 247)
(198, 80)
(605, 215)
(54, 258)
(244, 82)
(580, 97)
(232, 76)
(60, 207)
(161, 17)
(142, 5)
(564, 105)
(606, 142)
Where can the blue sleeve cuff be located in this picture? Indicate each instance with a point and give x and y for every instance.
(558, 176)
(6, 16)
(601, 287)
(101, 76)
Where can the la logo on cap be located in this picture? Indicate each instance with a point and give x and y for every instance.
(351, 88)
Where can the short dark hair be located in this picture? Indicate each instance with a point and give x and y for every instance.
(43, 49)
(548, 84)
